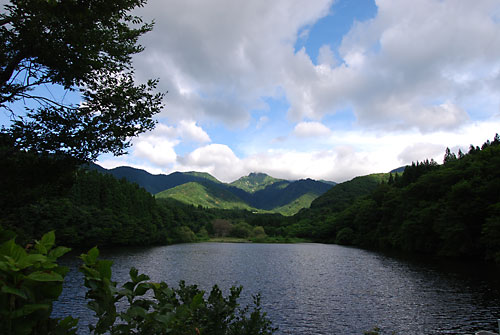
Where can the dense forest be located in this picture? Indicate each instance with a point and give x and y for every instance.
(450, 210)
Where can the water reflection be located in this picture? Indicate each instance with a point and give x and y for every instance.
(320, 289)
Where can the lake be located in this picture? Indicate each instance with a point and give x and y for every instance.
(318, 288)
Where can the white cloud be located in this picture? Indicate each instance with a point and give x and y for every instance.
(417, 64)
(351, 153)
(159, 152)
(326, 56)
(188, 130)
(421, 151)
(216, 159)
(419, 77)
(311, 129)
(219, 58)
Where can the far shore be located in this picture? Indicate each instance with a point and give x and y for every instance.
(227, 239)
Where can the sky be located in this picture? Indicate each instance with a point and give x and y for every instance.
(318, 89)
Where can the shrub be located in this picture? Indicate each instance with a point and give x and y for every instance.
(31, 281)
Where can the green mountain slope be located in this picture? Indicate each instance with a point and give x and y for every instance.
(207, 196)
(343, 194)
(293, 207)
(257, 181)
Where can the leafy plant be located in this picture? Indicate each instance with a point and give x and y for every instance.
(31, 281)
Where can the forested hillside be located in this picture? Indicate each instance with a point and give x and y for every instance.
(257, 192)
(155, 183)
(206, 195)
(449, 210)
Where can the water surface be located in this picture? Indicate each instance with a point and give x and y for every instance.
(319, 289)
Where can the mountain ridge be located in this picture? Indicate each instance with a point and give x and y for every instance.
(256, 191)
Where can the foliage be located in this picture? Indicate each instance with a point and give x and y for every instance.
(81, 46)
(31, 281)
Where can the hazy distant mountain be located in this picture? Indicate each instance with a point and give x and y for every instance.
(256, 191)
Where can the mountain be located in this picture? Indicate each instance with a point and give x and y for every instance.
(343, 194)
(208, 196)
(257, 191)
(256, 181)
(400, 169)
(155, 183)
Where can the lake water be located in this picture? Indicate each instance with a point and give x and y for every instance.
(317, 288)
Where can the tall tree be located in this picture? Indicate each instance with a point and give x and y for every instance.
(83, 46)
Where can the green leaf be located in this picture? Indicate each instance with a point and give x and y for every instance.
(136, 311)
(90, 257)
(31, 259)
(133, 275)
(68, 323)
(15, 291)
(141, 289)
(197, 300)
(58, 252)
(45, 276)
(28, 309)
(165, 319)
(104, 268)
(48, 240)
(11, 249)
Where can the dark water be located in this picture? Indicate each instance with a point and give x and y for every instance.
(319, 289)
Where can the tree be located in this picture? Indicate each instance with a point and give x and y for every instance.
(83, 46)
(449, 156)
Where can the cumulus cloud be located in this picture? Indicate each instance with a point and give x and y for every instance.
(158, 146)
(159, 151)
(428, 68)
(216, 159)
(311, 129)
(219, 58)
(400, 66)
(188, 130)
(420, 151)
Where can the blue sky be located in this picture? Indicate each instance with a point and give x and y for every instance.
(316, 88)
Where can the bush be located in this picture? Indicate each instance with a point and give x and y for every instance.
(31, 281)
(241, 229)
(345, 236)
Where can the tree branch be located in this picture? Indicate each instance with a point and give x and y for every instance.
(46, 101)
(10, 68)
